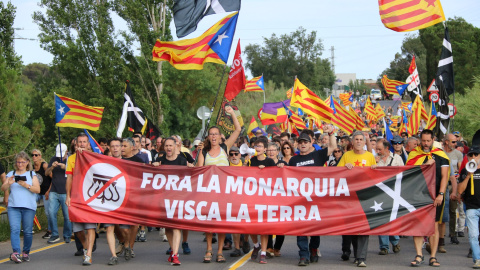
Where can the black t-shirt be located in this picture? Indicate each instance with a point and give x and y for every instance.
(135, 158)
(59, 179)
(315, 158)
(46, 181)
(267, 162)
(282, 161)
(471, 201)
(180, 160)
(187, 156)
(439, 163)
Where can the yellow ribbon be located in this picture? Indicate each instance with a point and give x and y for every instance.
(471, 184)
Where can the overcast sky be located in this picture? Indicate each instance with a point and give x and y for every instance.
(353, 27)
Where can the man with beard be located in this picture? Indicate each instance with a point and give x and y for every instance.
(427, 154)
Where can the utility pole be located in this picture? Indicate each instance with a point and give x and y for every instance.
(333, 58)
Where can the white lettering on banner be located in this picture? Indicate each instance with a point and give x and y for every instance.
(159, 181)
(285, 213)
(214, 184)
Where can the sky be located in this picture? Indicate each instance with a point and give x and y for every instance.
(362, 45)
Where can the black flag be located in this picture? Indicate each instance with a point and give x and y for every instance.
(152, 131)
(188, 13)
(131, 114)
(394, 197)
(445, 65)
(443, 112)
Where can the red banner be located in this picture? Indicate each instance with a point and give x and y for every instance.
(295, 200)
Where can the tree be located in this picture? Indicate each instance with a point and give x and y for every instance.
(296, 54)
(467, 120)
(7, 16)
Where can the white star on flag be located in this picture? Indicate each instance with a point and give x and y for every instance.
(377, 206)
(60, 110)
(260, 83)
(220, 38)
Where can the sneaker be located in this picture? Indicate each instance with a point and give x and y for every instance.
(87, 260)
(186, 248)
(246, 247)
(383, 251)
(133, 253)
(169, 252)
(236, 253)
(303, 262)
(314, 255)
(142, 237)
(128, 253)
(25, 257)
(476, 265)
(113, 261)
(277, 253)
(47, 235)
(79, 252)
(174, 260)
(442, 249)
(469, 255)
(161, 231)
(255, 252)
(396, 248)
(165, 239)
(67, 240)
(361, 263)
(119, 249)
(454, 240)
(460, 234)
(84, 254)
(345, 256)
(270, 253)
(355, 261)
(53, 239)
(15, 257)
(263, 259)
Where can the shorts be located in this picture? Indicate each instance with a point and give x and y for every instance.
(122, 226)
(440, 211)
(78, 227)
(446, 213)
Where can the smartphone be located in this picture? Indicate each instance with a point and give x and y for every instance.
(20, 178)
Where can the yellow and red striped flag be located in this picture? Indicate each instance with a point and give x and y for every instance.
(346, 98)
(414, 121)
(255, 85)
(390, 85)
(379, 111)
(296, 120)
(212, 46)
(410, 15)
(370, 110)
(341, 118)
(310, 103)
(406, 106)
(432, 119)
(289, 93)
(72, 113)
(37, 223)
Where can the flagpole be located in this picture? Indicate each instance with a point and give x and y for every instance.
(58, 129)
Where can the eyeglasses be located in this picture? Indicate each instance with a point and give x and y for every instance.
(337, 151)
(397, 143)
(36, 155)
(259, 146)
(234, 154)
(271, 150)
(22, 162)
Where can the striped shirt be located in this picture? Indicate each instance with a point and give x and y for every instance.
(220, 160)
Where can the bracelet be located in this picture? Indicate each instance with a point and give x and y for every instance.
(330, 134)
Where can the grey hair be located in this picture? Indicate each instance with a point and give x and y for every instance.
(129, 141)
(359, 133)
(274, 144)
(411, 139)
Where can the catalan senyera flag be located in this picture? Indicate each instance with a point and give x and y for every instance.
(432, 119)
(390, 85)
(72, 113)
(410, 15)
(359, 124)
(255, 85)
(296, 120)
(346, 98)
(37, 223)
(370, 110)
(414, 121)
(212, 46)
(341, 118)
(379, 111)
(310, 103)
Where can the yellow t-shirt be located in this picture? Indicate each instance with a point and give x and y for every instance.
(70, 164)
(365, 160)
(238, 165)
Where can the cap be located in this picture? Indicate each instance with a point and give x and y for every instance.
(64, 150)
(475, 149)
(397, 139)
(234, 149)
(456, 133)
(459, 144)
(304, 137)
(196, 142)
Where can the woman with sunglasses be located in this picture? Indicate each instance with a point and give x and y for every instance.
(287, 151)
(335, 157)
(22, 205)
(40, 166)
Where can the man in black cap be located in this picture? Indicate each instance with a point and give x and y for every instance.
(307, 157)
(470, 184)
(397, 143)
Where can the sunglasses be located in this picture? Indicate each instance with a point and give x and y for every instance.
(36, 155)
(397, 143)
(286, 148)
(234, 154)
(337, 151)
(147, 144)
(453, 141)
(472, 154)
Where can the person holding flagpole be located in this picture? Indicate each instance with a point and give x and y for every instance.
(214, 152)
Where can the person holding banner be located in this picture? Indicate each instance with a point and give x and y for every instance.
(358, 157)
(308, 156)
(214, 152)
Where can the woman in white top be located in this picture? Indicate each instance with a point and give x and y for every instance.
(213, 152)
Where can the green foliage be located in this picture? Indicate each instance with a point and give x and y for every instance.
(7, 17)
(358, 85)
(296, 54)
(467, 120)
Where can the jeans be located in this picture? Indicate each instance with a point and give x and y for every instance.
(23, 216)
(302, 243)
(57, 200)
(46, 207)
(383, 240)
(472, 224)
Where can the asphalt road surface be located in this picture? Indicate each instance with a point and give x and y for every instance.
(151, 255)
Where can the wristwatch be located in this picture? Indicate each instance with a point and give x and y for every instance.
(29, 186)
(441, 193)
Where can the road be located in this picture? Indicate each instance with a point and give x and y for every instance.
(151, 255)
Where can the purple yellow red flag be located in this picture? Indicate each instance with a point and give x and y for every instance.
(310, 103)
(212, 46)
(274, 112)
(72, 113)
(410, 15)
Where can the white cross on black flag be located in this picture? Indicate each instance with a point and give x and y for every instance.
(445, 65)
(394, 197)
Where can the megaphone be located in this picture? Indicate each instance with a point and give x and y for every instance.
(244, 149)
(471, 166)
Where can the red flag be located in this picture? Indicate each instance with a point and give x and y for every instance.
(413, 65)
(236, 77)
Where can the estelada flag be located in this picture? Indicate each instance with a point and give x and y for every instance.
(346, 98)
(213, 46)
(255, 85)
(236, 77)
(341, 118)
(72, 113)
(310, 103)
(370, 110)
(408, 15)
(432, 119)
(391, 85)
